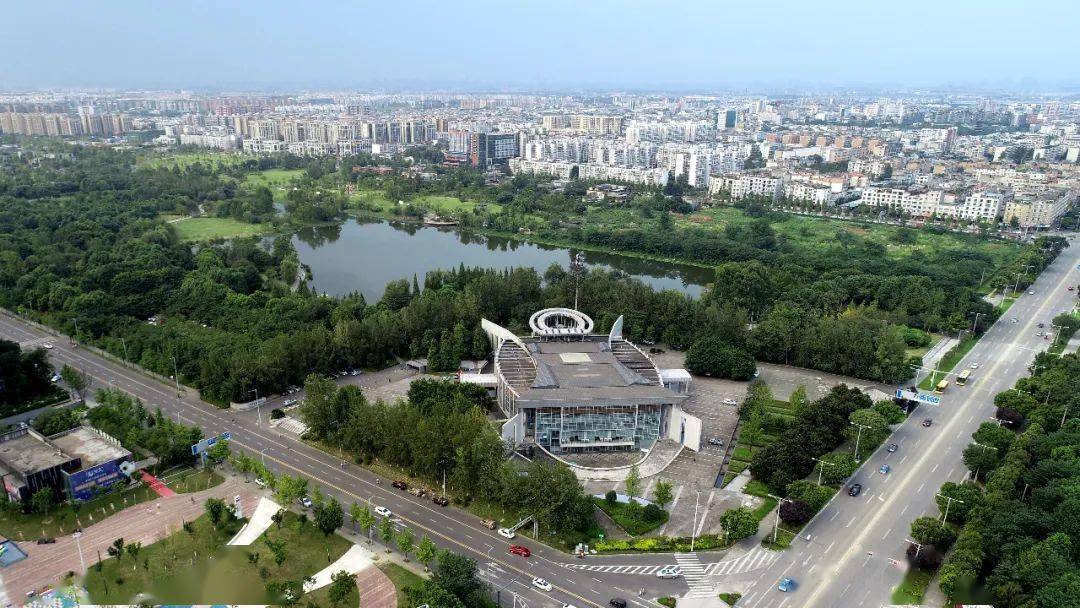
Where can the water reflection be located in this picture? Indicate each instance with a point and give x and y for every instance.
(366, 255)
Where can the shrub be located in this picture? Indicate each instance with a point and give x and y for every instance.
(795, 512)
(277, 413)
(653, 513)
(611, 497)
(814, 495)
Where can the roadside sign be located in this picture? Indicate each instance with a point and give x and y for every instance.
(926, 398)
(206, 444)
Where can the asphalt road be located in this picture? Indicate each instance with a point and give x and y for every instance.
(449, 527)
(856, 553)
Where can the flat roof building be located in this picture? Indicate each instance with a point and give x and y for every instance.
(74, 463)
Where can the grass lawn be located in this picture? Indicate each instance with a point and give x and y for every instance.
(208, 228)
(197, 568)
(630, 518)
(1006, 304)
(64, 519)
(437, 203)
(730, 598)
(948, 362)
(403, 578)
(274, 179)
(186, 159)
(666, 601)
(910, 591)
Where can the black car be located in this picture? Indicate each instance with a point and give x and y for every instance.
(855, 489)
(617, 602)
(442, 501)
(401, 485)
(927, 422)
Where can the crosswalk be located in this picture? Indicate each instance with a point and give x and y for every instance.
(691, 566)
(644, 570)
(292, 425)
(693, 572)
(757, 557)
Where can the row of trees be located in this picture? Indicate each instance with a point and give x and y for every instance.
(1020, 532)
(125, 418)
(24, 376)
(443, 430)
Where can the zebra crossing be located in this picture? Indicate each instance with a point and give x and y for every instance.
(693, 572)
(757, 557)
(692, 568)
(643, 570)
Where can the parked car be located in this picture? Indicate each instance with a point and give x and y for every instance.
(305, 502)
(892, 448)
(1041, 325)
(506, 533)
(884, 470)
(1031, 292)
(355, 372)
(56, 378)
(259, 481)
(927, 421)
(521, 550)
(716, 441)
(730, 401)
(401, 485)
(617, 602)
(489, 524)
(289, 402)
(418, 492)
(383, 512)
(46, 540)
(541, 584)
(854, 489)
(48, 345)
(669, 572)
(442, 501)
(786, 584)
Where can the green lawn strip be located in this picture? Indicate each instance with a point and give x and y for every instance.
(661, 544)
(1063, 338)
(948, 362)
(764, 508)
(784, 536)
(631, 518)
(63, 519)
(756, 488)
(402, 577)
(1006, 304)
(208, 228)
(910, 591)
(169, 564)
(184, 160)
(667, 600)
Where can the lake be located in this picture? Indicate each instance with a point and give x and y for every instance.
(364, 256)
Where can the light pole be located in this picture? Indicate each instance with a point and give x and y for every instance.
(975, 477)
(258, 406)
(975, 325)
(124, 342)
(821, 468)
(776, 522)
(858, 436)
(78, 543)
(176, 376)
(948, 504)
(1063, 415)
(918, 547)
(693, 531)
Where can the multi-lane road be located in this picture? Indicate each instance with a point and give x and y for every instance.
(856, 553)
(449, 527)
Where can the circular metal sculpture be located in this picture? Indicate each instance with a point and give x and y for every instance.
(555, 322)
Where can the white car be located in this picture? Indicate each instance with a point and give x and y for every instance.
(383, 512)
(541, 584)
(669, 572)
(568, 606)
(259, 481)
(1031, 292)
(506, 533)
(305, 502)
(975, 365)
(48, 345)
(730, 401)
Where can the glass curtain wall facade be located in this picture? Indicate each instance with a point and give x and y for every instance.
(610, 427)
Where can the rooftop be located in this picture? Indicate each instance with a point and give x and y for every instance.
(90, 446)
(25, 452)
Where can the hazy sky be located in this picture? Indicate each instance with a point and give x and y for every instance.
(535, 44)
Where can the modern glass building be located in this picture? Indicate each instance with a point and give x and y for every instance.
(569, 390)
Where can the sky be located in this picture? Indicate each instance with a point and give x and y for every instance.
(536, 45)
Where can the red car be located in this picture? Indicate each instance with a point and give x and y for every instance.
(520, 550)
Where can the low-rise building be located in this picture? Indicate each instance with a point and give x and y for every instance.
(75, 464)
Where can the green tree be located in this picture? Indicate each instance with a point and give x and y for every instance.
(42, 500)
(215, 510)
(662, 493)
(739, 523)
(632, 482)
(425, 552)
(56, 420)
(76, 380)
(457, 574)
(892, 413)
(133, 550)
(354, 515)
(386, 533)
(965, 497)
(329, 516)
(278, 517)
(799, 400)
(869, 427)
(405, 540)
(930, 531)
(219, 452)
(341, 585)
(366, 521)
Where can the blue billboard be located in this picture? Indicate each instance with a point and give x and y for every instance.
(83, 484)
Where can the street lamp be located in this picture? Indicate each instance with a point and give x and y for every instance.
(693, 531)
(948, 504)
(776, 524)
(918, 547)
(975, 477)
(975, 325)
(258, 406)
(78, 543)
(822, 467)
(858, 436)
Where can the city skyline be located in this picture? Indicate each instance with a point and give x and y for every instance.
(556, 46)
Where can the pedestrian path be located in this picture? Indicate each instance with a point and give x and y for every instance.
(157, 485)
(693, 572)
(616, 569)
(354, 560)
(757, 557)
(259, 522)
(292, 425)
